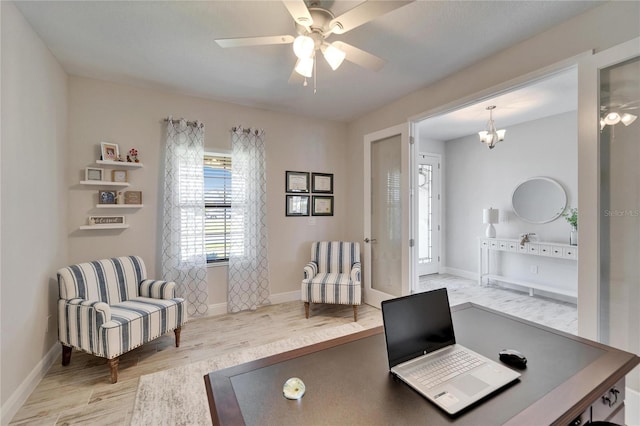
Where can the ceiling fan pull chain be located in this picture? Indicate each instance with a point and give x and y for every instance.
(315, 76)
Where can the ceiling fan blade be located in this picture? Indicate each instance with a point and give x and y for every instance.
(360, 57)
(363, 13)
(254, 41)
(299, 12)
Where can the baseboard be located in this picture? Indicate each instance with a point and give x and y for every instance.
(20, 395)
(291, 296)
(632, 407)
(460, 273)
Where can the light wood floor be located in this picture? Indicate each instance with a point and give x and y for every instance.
(81, 393)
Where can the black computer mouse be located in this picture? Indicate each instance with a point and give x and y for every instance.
(513, 358)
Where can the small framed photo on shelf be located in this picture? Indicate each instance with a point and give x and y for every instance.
(118, 175)
(322, 205)
(93, 173)
(297, 205)
(297, 182)
(107, 197)
(106, 220)
(133, 197)
(109, 151)
(322, 183)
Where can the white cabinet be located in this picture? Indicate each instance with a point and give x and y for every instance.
(492, 246)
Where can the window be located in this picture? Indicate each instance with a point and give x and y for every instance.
(217, 201)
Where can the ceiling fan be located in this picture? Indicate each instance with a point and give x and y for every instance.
(314, 24)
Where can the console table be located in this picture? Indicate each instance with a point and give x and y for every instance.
(553, 250)
(348, 382)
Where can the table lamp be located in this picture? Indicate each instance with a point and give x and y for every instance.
(489, 217)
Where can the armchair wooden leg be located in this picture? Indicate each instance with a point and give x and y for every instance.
(306, 310)
(177, 333)
(355, 313)
(113, 367)
(66, 354)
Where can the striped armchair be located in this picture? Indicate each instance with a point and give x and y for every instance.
(108, 307)
(333, 275)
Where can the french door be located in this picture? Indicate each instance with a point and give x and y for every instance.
(387, 268)
(609, 200)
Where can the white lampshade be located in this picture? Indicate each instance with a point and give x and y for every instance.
(303, 47)
(333, 55)
(490, 215)
(304, 67)
(612, 118)
(628, 118)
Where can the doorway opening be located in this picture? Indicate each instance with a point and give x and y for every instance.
(540, 118)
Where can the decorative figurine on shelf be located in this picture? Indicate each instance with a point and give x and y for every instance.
(133, 156)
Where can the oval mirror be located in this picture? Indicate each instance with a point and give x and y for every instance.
(539, 200)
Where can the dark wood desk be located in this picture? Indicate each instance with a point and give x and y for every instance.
(347, 379)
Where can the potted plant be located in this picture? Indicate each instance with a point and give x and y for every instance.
(572, 219)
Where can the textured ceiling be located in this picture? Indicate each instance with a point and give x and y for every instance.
(170, 45)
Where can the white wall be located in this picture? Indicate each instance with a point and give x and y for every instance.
(478, 178)
(133, 117)
(34, 201)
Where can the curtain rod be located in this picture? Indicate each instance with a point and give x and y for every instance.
(189, 123)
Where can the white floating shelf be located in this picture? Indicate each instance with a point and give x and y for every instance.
(119, 206)
(103, 183)
(96, 227)
(120, 164)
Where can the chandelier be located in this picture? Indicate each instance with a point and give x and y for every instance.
(491, 136)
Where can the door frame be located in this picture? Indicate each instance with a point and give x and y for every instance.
(372, 296)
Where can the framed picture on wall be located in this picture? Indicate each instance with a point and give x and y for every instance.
(297, 205)
(322, 205)
(93, 173)
(297, 182)
(107, 197)
(322, 183)
(109, 151)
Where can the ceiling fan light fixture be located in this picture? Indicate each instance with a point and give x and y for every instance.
(491, 136)
(333, 55)
(627, 118)
(304, 67)
(612, 118)
(303, 46)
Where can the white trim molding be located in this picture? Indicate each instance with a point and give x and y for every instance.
(21, 394)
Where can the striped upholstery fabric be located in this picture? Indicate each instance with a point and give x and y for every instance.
(108, 307)
(333, 275)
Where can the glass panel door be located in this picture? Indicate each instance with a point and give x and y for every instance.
(620, 205)
(386, 268)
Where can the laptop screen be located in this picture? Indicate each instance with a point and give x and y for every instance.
(416, 325)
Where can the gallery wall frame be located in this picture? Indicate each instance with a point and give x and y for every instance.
(297, 182)
(322, 183)
(297, 205)
(322, 205)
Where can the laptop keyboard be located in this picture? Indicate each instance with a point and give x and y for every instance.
(449, 366)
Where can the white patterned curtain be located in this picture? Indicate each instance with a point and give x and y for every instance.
(248, 268)
(184, 257)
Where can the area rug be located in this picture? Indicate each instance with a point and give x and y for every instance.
(178, 397)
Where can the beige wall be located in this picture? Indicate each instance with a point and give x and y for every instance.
(34, 241)
(598, 28)
(133, 117)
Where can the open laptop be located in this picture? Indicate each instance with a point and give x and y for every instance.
(422, 352)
